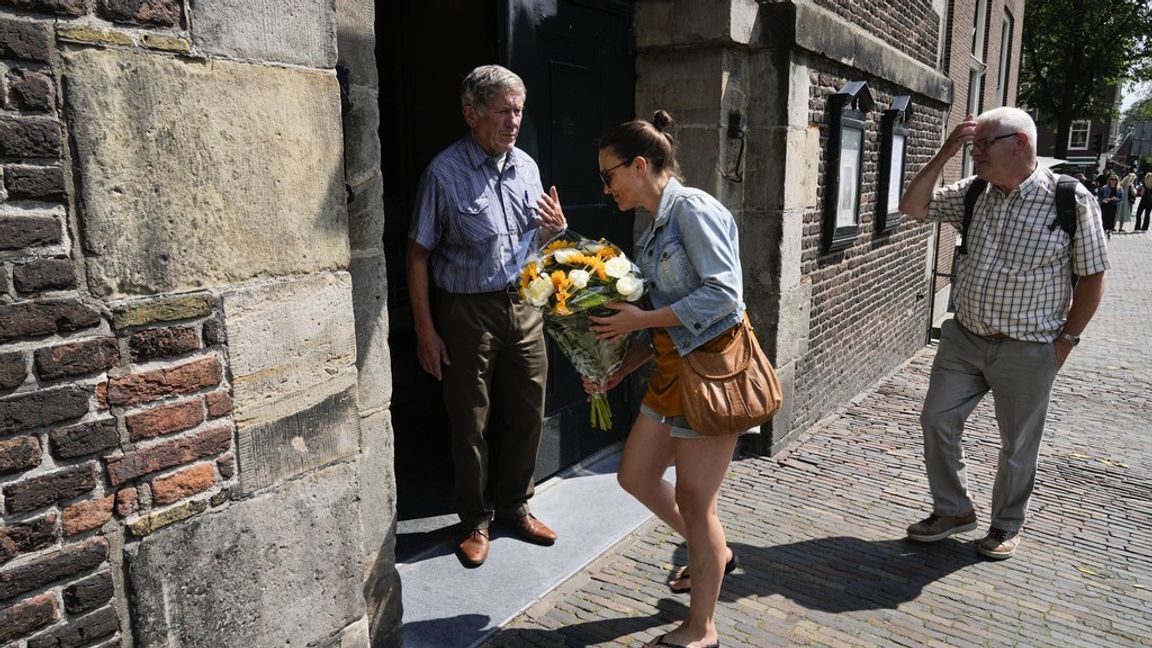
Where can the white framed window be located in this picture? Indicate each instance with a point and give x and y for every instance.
(1003, 79)
(978, 67)
(978, 32)
(1078, 134)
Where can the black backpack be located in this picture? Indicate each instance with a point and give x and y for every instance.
(1065, 207)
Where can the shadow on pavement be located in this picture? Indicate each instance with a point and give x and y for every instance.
(590, 633)
(423, 545)
(834, 574)
(842, 573)
(465, 629)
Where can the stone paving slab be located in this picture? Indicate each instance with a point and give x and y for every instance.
(819, 530)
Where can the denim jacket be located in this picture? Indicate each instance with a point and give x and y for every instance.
(690, 257)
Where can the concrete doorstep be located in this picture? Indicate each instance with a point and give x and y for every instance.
(449, 606)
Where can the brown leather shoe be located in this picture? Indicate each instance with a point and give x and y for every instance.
(473, 549)
(532, 530)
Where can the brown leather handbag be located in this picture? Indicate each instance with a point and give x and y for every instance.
(732, 390)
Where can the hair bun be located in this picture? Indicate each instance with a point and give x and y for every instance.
(662, 121)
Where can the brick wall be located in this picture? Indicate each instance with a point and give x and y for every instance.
(114, 417)
(869, 307)
(909, 26)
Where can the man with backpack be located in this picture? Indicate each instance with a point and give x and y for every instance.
(1019, 313)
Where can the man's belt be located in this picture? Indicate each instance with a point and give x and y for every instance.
(994, 336)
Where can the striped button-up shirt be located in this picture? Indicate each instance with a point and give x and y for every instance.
(1016, 278)
(477, 221)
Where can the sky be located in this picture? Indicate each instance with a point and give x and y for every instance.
(1130, 93)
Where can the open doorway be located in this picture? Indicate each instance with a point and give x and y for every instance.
(576, 58)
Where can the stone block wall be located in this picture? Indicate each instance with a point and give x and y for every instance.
(184, 326)
(832, 323)
(364, 184)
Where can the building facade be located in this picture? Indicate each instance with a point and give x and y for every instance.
(1091, 142)
(208, 394)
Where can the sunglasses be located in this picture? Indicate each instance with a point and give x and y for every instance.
(606, 174)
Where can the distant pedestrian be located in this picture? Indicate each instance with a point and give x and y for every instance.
(1013, 327)
(1144, 209)
(1128, 196)
(1109, 196)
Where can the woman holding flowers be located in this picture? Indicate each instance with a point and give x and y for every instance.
(689, 257)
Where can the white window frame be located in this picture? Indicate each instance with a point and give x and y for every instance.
(979, 35)
(1079, 126)
(977, 70)
(1003, 78)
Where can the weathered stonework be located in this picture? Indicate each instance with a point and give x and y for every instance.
(292, 346)
(252, 559)
(214, 215)
(373, 357)
(302, 32)
(286, 338)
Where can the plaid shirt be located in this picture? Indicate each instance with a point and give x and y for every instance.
(1017, 276)
(477, 222)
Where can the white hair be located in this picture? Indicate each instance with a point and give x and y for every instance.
(1013, 119)
(487, 82)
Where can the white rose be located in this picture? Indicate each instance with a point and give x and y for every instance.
(593, 248)
(629, 287)
(579, 278)
(617, 266)
(539, 290)
(565, 255)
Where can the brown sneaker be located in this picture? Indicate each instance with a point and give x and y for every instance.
(999, 544)
(937, 527)
(473, 549)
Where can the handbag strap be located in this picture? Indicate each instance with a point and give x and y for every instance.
(741, 365)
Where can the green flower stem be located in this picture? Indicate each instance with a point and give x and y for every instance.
(601, 412)
(592, 357)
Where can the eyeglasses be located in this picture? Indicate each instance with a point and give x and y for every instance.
(989, 141)
(606, 174)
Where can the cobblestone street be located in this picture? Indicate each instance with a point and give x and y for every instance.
(820, 530)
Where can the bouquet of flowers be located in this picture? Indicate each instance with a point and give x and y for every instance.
(573, 278)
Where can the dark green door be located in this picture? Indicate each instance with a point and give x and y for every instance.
(576, 59)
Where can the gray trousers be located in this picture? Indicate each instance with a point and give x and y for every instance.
(1020, 376)
(493, 339)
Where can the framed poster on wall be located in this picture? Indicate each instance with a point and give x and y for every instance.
(847, 121)
(893, 163)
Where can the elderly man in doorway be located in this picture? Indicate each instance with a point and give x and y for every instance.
(479, 210)
(1014, 326)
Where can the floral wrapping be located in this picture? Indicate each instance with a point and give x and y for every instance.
(572, 278)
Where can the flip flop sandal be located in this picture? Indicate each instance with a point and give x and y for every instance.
(660, 641)
(682, 573)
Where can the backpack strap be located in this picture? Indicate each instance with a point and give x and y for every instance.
(974, 191)
(1065, 205)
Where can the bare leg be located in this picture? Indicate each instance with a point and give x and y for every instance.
(647, 454)
(700, 468)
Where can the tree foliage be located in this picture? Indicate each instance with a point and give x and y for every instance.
(1075, 49)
